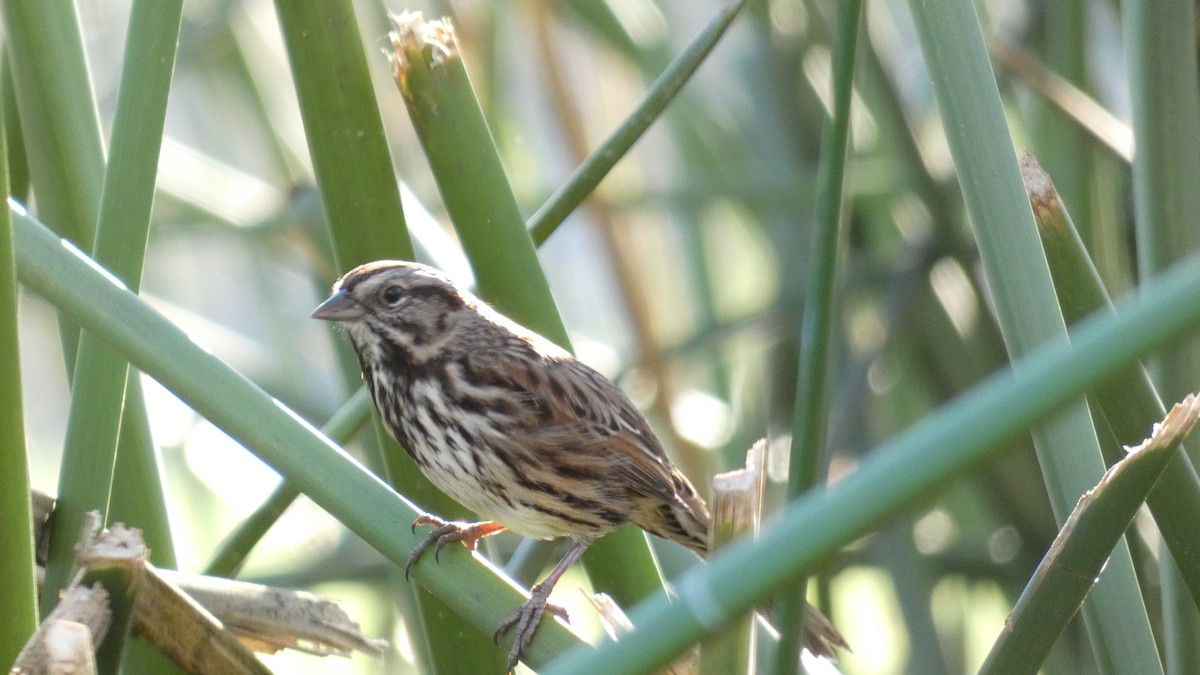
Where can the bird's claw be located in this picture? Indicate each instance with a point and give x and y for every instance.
(447, 531)
(524, 622)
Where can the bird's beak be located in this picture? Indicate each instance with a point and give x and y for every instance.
(339, 307)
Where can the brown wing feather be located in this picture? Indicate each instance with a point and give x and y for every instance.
(568, 405)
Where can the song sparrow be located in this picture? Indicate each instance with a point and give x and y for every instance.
(512, 427)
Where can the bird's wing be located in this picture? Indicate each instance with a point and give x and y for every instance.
(568, 405)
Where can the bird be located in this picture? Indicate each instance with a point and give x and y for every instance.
(514, 428)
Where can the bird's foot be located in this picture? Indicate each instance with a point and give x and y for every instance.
(525, 620)
(447, 531)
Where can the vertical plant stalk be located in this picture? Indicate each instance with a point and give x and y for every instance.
(432, 78)
(354, 171)
(138, 497)
(1165, 96)
(1026, 306)
(344, 129)
(811, 415)
(18, 580)
(98, 387)
(58, 113)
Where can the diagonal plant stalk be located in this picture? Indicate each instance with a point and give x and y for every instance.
(232, 553)
(1027, 309)
(323, 471)
(587, 177)
(432, 78)
(901, 473)
(1075, 559)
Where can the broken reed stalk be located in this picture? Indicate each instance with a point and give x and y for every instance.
(736, 512)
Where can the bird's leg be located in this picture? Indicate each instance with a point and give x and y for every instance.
(447, 531)
(524, 621)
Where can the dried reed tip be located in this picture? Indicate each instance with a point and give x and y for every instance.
(414, 37)
(614, 620)
(1042, 195)
(737, 498)
(1174, 427)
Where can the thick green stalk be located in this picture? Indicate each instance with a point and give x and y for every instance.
(60, 125)
(1026, 306)
(1165, 96)
(466, 165)
(811, 414)
(18, 583)
(58, 113)
(345, 131)
(356, 177)
(901, 473)
(139, 498)
(126, 203)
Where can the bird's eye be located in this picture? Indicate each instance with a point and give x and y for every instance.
(392, 294)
